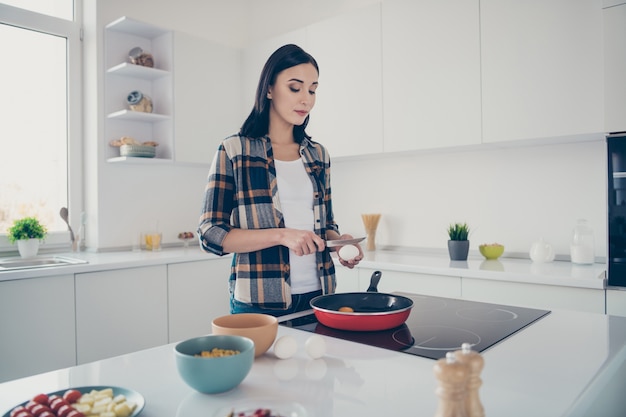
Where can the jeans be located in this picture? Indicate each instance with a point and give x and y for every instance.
(299, 302)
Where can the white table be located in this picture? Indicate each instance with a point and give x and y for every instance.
(558, 366)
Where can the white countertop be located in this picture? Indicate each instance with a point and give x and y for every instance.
(557, 273)
(111, 260)
(556, 367)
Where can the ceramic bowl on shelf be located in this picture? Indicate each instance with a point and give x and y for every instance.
(262, 328)
(142, 151)
(491, 250)
(214, 374)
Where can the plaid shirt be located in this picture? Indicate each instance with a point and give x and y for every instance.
(242, 192)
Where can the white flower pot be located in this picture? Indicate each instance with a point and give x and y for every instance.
(28, 247)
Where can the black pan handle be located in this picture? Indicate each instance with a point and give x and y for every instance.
(374, 281)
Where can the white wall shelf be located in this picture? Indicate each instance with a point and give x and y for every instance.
(138, 160)
(131, 26)
(122, 77)
(131, 70)
(138, 116)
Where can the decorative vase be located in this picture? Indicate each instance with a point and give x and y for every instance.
(28, 247)
(458, 249)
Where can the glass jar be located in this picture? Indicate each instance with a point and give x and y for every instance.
(137, 101)
(582, 248)
(137, 56)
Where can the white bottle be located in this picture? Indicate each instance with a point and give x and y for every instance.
(582, 248)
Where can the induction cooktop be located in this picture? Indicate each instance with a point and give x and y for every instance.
(436, 325)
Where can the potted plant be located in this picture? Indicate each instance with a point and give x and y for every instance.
(27, 232)
(458, 245)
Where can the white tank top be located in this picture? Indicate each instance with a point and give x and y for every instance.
(296, 199)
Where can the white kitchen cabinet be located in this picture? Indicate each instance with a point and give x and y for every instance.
(348, 114)
(426, 284)
(122, 77)
(616, 302)
(541, 64)
(197, 293)
(534, 295)
(431, 74)
(120, 311)
(37, 319)
(207, 97)
(614, 19)
(347, 279)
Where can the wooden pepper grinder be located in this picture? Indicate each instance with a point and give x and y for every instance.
(452, 376)
(475, 364)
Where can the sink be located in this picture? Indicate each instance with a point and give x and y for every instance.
(10, 264)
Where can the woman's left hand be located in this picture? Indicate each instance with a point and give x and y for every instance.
(351, 263)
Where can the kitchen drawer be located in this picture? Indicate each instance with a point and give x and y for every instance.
(616, 302)
(534, 295)
(120, 311)
(36, 326)
(348, 279)
(197, 293)
(393, 281)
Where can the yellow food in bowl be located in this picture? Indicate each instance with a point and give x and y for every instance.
(491, 251)
(217, 353)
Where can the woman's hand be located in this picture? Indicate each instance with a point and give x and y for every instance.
(302, 242)
(354, 261)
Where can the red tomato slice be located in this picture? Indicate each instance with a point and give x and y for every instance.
(71, 396)
(30, 405)
(38, 409)
(57, 403)
(64, 410)
(17, 410)
(41, 399)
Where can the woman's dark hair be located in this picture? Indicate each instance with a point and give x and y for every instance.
(257, 123)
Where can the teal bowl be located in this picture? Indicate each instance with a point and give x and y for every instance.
(214, 374)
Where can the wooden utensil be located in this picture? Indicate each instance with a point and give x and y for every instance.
(65, 216)
(370, 221)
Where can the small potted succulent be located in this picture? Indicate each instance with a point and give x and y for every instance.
(458, 245)
(27, 232)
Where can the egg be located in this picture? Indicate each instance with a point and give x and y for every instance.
(285, 347)
(315, 346)
(348, 252)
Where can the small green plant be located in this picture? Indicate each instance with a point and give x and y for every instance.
(458, 231)
(27, 228)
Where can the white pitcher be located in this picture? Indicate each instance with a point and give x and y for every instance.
(541, 251)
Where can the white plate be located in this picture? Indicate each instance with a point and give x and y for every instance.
(342, 242)
(131, 396)
(277, 408)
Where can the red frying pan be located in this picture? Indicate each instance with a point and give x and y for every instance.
(372, 310)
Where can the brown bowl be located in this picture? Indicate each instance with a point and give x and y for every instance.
(261, 328)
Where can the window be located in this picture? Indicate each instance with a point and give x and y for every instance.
(40, 80)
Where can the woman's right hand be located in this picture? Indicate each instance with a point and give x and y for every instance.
(303, 242)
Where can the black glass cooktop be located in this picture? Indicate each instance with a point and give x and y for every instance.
(436, 326)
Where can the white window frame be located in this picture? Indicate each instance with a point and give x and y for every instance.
(72, 31)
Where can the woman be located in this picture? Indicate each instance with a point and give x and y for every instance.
(268, 196)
